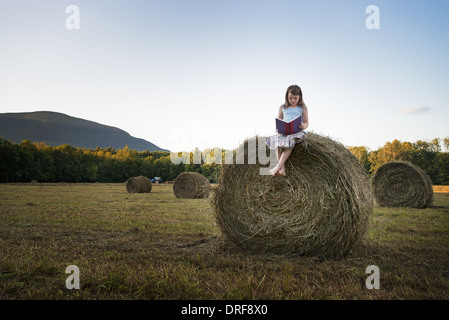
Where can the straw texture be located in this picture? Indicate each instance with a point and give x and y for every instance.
(191, 185)
(321, 208)
(402, 184)
(138, 184)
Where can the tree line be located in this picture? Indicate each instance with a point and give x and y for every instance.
(429, 156)
(27, 161)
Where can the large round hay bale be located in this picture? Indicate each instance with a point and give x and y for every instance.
(191, 185)
(321, 208)
(138, 184)
(402, 184)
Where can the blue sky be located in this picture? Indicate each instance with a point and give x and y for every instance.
(197, 73)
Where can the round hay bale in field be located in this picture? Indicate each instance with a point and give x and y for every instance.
(402, 184)
(191, 185)
(321, 208)
(138, 184)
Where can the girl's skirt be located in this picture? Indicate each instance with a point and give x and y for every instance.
(280, 140)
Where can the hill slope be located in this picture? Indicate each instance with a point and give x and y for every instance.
(56, 129)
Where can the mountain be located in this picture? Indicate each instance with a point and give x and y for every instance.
(56, 129)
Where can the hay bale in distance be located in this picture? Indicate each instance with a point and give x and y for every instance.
(191, 185)
(402, 184)
(320, 209)
(138, 184)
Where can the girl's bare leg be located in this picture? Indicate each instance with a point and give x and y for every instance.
(282, 155)
(286, 152)
(278, 153)
(275, 170)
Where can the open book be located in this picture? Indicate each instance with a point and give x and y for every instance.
(288, 127)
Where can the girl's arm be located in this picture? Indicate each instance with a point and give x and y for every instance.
(305, 119)
(280, 113)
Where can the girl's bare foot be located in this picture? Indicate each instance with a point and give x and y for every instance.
(281, 171)
(274, 171)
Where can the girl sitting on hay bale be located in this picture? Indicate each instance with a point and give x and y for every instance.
(293, 107)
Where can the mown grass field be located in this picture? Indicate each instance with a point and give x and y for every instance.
(155, 246)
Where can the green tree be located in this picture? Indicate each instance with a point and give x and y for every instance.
(391, 151)
(446, 143)
(163, 168)
(442, 169)
(10, 155)
(361, 153)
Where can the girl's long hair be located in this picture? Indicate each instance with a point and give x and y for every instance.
(296, 90)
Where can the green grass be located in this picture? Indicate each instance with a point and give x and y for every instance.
(155, 246)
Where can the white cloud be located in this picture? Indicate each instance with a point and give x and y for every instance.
(418, 109)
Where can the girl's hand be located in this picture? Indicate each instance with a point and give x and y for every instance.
(305, 119)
